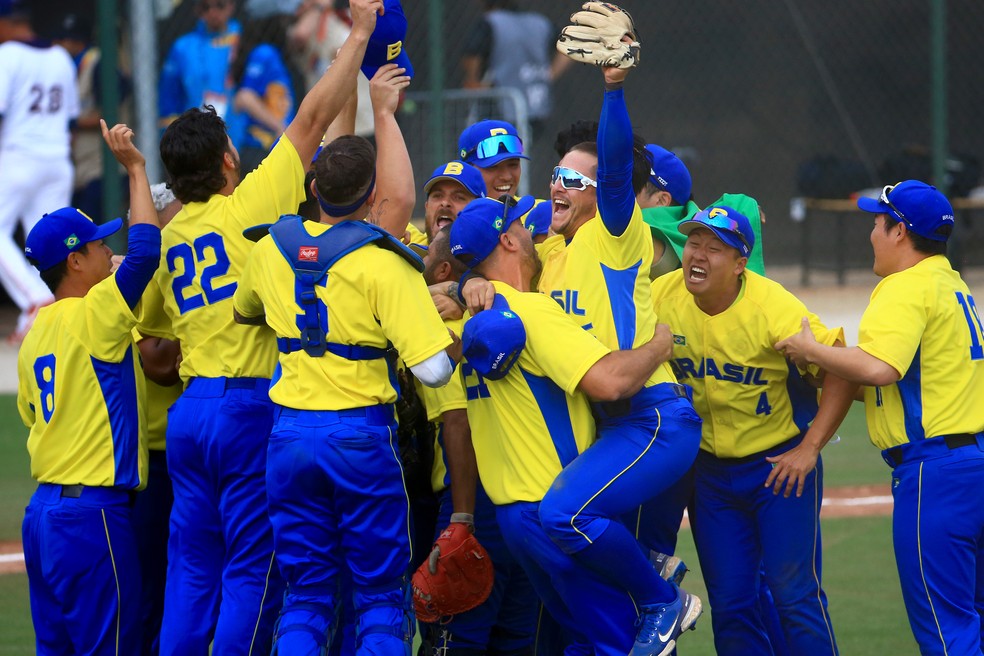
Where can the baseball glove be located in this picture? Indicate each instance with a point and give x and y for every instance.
(595, 37)
(457, 576)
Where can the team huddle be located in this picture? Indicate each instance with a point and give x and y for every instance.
(586, 367)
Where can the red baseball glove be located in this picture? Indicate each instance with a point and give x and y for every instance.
(457, 576)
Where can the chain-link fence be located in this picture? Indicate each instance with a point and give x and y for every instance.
(776, 99)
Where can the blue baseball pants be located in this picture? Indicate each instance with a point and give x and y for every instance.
(338, 500)
(82, 571)
(222, 585)
(938, 531)
(742, 528)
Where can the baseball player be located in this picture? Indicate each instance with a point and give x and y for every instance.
(79, 391)
(757, 437)
(528, 408)
(339, 295)
(920, 358)
(495, 148)
(38, 104)
(223, 586)
(451, 186)
(506, 622)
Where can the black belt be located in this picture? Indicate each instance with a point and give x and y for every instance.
(72, 491)
(755, 457)
(952, 442)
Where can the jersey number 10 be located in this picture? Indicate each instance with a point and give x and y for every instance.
(974, 324)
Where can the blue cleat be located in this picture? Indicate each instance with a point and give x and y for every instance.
(671, 568)
(661, 624)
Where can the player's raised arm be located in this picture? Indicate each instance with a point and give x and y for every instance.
(395, 190)
(144, 237)
(621, 374)
(326, 98)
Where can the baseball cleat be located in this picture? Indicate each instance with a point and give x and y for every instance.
(671, 568)
(660, 625)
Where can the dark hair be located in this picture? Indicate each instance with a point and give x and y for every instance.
(641, 164)
(578, 132)
(344, 169)
(271, 30)
(920, 243)
(192, 149)
(441, 250)
(53, 276)
(309, 208)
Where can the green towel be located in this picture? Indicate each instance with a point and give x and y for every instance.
(665, 221)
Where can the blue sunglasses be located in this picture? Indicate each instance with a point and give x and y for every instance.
(725, 222)
(500, 143)
(571, 179)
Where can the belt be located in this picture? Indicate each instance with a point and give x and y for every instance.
(645, 399)
(754, 457)
(895, 456)
(244, 383)
(72, 491)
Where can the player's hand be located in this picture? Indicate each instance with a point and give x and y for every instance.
(613, 74)
(662, 341)
(454, 349)
(385, 87)
(792, 468)
(120, 142)
(478, 294)
(115, 262)
(446, 306)
(798, 347)
(364, 13)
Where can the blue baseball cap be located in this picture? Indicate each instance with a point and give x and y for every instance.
(464, 174)
(12, 8)
(493, 340)
(921, 207)
(487, 143)
(387, 41)
(475, 233)
(539, 218)
(731, 226)
(669, 173)
(62, 232)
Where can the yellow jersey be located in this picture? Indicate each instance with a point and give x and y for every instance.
(203, 253)
(527, 426)
(602, 281)
(80, 391)
(749, 396)
(371, 297)
(924, 322)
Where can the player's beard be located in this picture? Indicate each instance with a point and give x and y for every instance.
(532, 262)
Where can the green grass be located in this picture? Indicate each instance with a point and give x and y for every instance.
(16, 484)
(854, 460)
(17, 636)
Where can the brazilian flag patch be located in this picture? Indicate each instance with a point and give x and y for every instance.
(680, 340)
(72, 241)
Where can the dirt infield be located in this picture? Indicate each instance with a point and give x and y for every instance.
(847, 501)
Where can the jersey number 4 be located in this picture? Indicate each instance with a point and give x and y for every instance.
(974, 324)
(209, 250)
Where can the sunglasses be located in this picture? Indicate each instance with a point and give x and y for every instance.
(725, 222)
(500, 143)
(886, 190)
(571, 179)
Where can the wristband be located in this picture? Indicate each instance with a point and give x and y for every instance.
(468, 275)
(463, 518)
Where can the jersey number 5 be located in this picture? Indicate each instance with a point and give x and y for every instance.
(44, 376)
(190, 259)
(974, 324)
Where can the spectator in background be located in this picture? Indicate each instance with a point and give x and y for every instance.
(264, 97)
(74, 34)
(196, 70)
(319, 31)
(513, 48)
